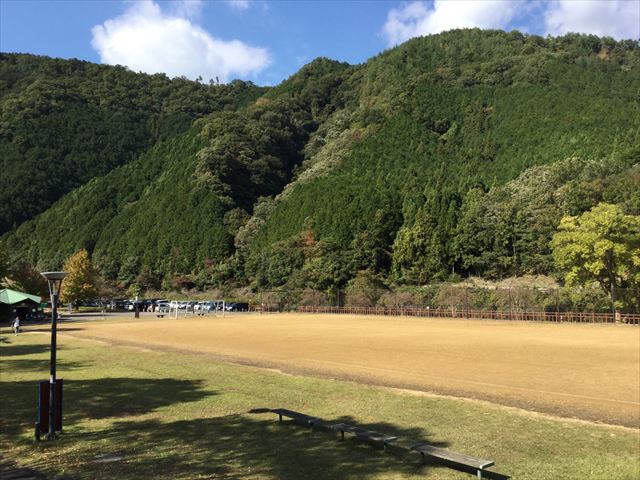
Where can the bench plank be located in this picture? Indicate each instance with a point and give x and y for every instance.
(363, 433)
(301, 417)
(450, 456)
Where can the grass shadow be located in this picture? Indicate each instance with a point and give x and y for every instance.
(33, 365)
(96, 399)
(233, 446)
(10, 349)
(253, 444)
(47, 329)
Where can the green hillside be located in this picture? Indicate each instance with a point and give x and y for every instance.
(456, 153)
(443, 117)
(63, 122)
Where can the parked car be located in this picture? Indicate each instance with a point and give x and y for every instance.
(211, 306)
(131, 305)
(237, 307)
(146, 305)
(117, 304)
(163, 307)
(191, 306)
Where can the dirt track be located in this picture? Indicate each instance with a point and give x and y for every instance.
(583, 371)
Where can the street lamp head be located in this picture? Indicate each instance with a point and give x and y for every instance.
(55, 281)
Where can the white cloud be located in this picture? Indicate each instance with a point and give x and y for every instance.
(238, 4)
(416, 18)
(616, 18)
(146, 39)
(186, 8)
(619, 19)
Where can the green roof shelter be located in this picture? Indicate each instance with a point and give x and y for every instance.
(22, 303)
(11, 297)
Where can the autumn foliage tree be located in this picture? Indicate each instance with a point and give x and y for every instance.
(25, 277)
(80, 283)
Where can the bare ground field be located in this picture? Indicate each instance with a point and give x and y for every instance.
(589, 372)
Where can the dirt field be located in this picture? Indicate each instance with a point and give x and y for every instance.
(589, 372)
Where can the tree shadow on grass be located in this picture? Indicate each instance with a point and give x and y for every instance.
(248, 445)
(238, 446)
(95, 399)
(118, 397)
(11, 353)
(47, 329)
(9, 349)
(24, 365)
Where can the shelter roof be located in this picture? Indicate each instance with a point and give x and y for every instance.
(10, 297)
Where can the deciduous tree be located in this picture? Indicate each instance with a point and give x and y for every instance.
(603, 246)
(80, 283)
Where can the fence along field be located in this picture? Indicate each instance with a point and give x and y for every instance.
(587, 371)
(581, 305)
(471, 314)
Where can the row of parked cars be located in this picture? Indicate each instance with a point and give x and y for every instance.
(130, 305)
(202, 307)
(161, 305)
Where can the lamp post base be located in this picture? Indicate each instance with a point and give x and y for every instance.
(43, 428)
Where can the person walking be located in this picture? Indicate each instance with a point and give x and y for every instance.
(16, 324)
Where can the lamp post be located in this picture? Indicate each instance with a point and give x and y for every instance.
(55, 282)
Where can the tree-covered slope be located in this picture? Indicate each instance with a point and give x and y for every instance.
(63, 122)
(152, 208)
(443, 116)
(453, 153)
(175, 208)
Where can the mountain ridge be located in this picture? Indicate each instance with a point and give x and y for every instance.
(63, 122)
(373, 167)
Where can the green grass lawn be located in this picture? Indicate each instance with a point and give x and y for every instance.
(179, 416)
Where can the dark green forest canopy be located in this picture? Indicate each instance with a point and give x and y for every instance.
(64, 122)
(458, 113)
(453, 153)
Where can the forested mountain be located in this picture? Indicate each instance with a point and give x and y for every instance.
(456, 153)
(63, 122)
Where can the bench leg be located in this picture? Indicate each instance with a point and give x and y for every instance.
(342, 434)
(280, 418)
(480, 474)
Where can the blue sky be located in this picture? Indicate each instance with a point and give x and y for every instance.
(266, 41)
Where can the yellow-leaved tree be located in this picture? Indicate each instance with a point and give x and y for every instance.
(80, 283)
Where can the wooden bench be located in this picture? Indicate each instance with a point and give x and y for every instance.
(427, 450)
(375, 437)
(302, 418)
